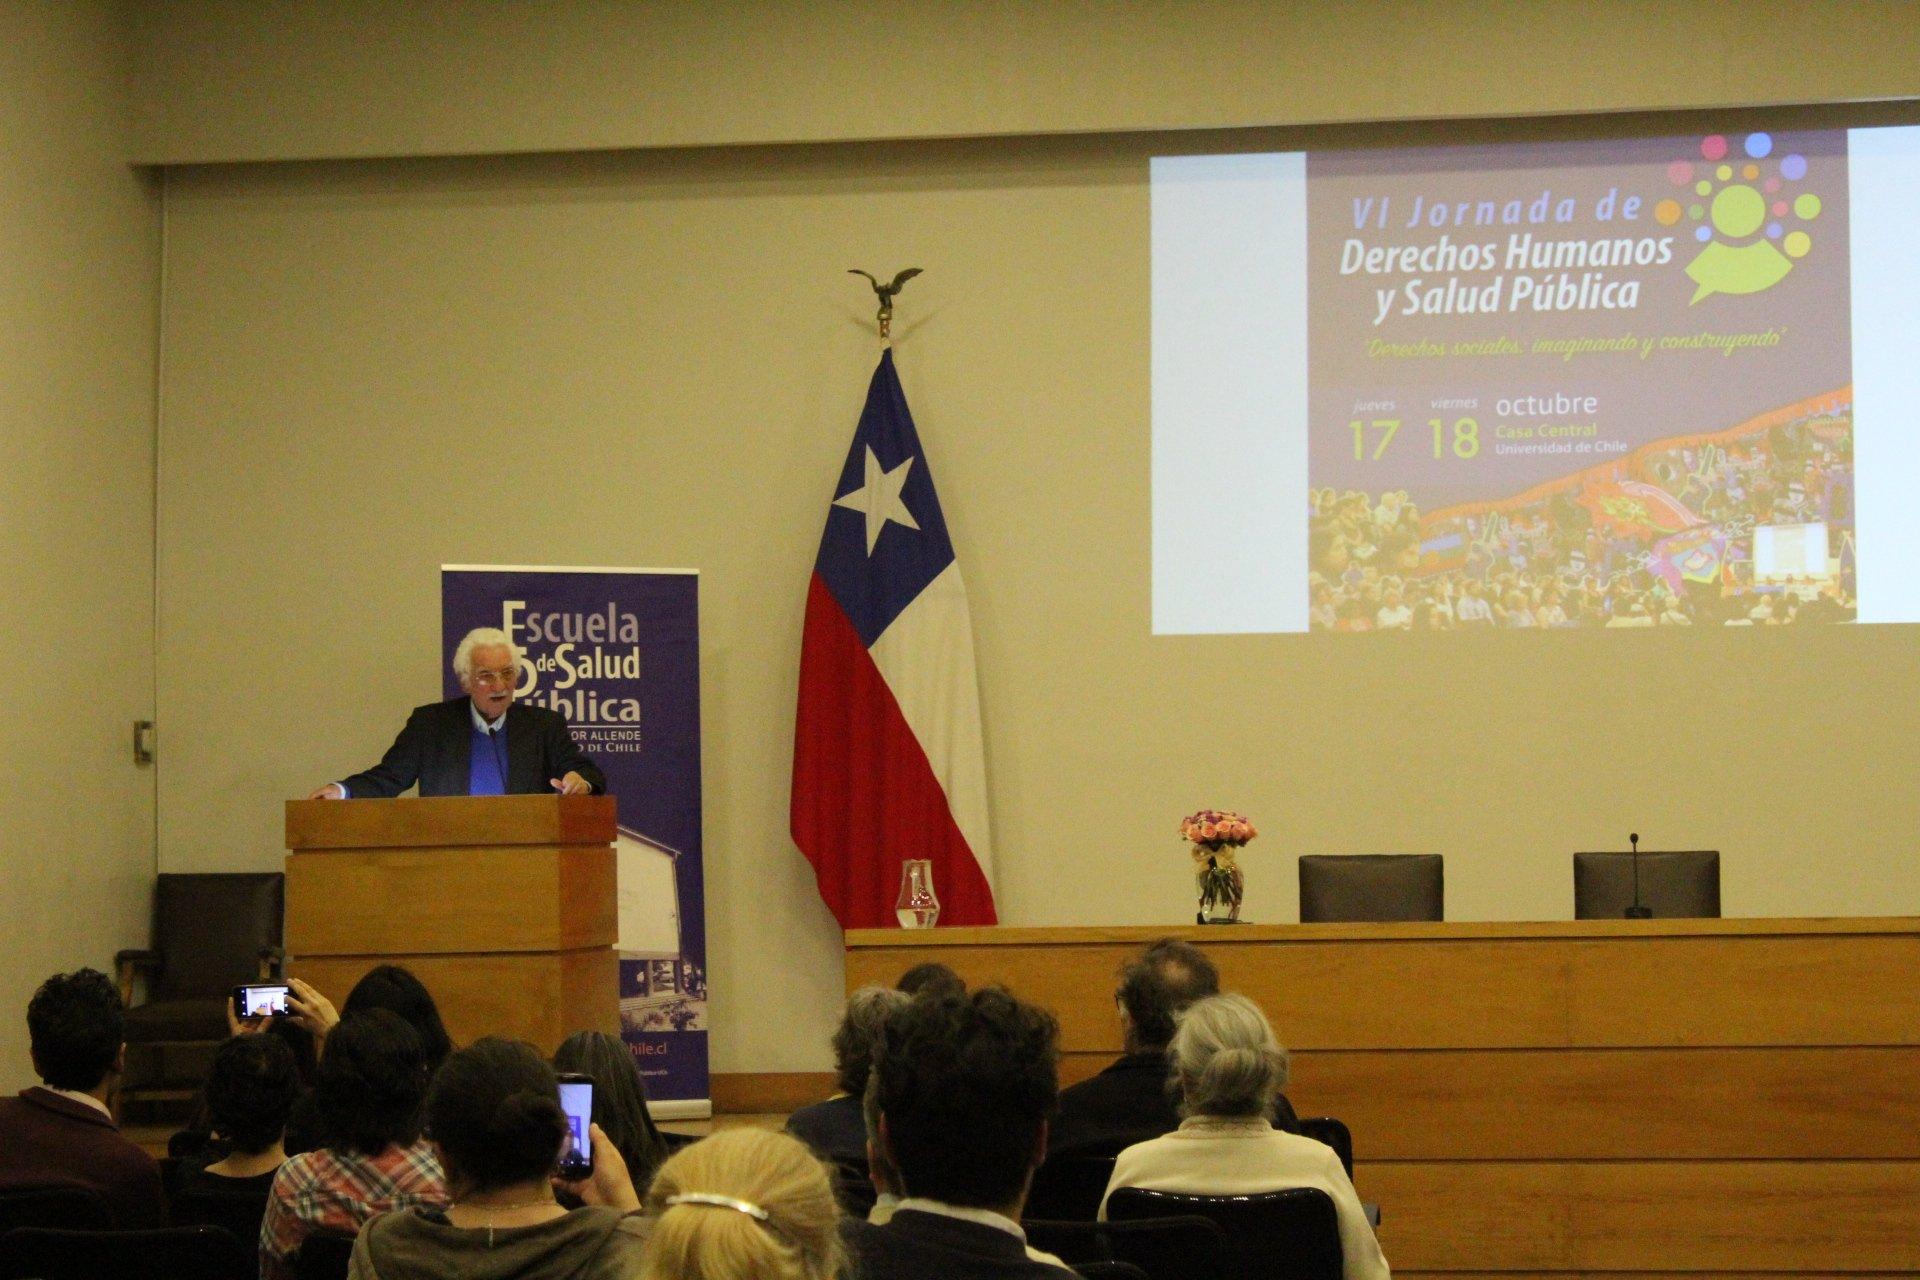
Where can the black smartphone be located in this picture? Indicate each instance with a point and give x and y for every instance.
(261, 1000)
(576, 1099)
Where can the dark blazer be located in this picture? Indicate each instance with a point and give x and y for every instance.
(436, 750)
(1127, 1103)
(836, 1129)
(921, 1246)
(46, 1139)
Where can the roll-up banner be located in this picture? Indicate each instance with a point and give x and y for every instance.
(617, 652)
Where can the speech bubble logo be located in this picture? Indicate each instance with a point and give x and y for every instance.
(1725, 268)
(1740, 229)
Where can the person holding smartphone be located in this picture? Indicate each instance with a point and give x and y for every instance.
(495, 1112)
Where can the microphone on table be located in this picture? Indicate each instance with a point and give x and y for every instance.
(1637, 911)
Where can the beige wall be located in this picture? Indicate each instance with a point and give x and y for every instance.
(638, 359)
(79, 241)
(237, 80)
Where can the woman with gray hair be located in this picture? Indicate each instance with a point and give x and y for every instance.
(835, 1129)
(1228, 1068)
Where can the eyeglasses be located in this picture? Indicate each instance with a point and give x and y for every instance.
(504, 678)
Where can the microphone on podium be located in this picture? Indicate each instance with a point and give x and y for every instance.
(1637, 911)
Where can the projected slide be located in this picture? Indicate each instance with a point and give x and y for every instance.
(1591, 384)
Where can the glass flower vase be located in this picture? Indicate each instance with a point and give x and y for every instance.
(918, 907)
(1220, 886)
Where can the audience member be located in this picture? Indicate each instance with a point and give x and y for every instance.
(962, 1089)
(388, 986)
(835, 1128)
(373, 1077)
(1229, 1067)
(931, 979)
(744, 1204)
(494, 1113)
(249, 1094)
(62, 1131)
(196, 1146)
(619, 1099)
(396, 989)
(1129, 1102)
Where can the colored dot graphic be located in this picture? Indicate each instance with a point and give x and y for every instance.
(1743, 210)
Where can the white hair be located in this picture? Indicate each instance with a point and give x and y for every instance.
(1225, 1058)
(481, 638)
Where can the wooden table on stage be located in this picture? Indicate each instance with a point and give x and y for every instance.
(503, 905)
(1660, 1096)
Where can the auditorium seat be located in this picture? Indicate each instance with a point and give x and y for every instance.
(1332, 1132)
(1172, 1248)
(1359, 887)
(323, 1256)
(1275, 1235)
(169, 1253)
(68, 1207)
(1068, 1188)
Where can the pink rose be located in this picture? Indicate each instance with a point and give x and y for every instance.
(1209, 832)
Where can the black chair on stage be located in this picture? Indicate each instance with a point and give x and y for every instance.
(1068, 1188)
(323, 1256)
(61, 1207)
(1676, 886)
(1275, 1235)
(1175, 1248)
(169, 1253)
(1365, 887)
(211, 933)
(1335, 1134)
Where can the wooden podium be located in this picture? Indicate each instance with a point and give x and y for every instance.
(503, 905)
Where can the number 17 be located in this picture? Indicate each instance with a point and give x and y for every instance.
(1387, 426)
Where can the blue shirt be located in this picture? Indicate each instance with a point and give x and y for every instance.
(487, 770)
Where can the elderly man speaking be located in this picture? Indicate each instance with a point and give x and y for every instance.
(483, 744)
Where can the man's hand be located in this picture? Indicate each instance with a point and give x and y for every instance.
(609, 1184)
(239, 1026)
(331, 791)
(571, 785)
(311, 1009)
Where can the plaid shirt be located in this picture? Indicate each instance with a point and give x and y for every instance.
(337, 1191)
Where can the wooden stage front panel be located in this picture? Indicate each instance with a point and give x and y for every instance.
(1711, 1097)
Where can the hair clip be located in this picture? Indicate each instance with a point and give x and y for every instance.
(753, 1211)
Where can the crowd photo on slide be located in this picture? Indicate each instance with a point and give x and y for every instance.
(1752, 527)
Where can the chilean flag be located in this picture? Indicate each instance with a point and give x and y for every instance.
(887, 761)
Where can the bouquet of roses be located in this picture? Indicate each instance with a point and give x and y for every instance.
(1215, 829)
(1216, 836)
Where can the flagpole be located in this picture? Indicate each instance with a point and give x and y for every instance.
(886, 293)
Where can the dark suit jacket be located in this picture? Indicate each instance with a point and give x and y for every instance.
(436, 750)
(46, 1139)
(1127, 1103)
(836, 1129)
(922, 1246)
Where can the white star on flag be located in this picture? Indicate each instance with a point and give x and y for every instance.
(879, 498)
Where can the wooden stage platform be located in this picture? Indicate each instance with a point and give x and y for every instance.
(1661, 1097)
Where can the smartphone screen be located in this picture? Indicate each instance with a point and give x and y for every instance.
(576, 1099)
(261, 1000)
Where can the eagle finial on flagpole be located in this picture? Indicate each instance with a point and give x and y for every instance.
(886, 293)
